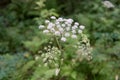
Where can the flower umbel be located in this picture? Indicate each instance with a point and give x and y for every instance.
(62, 28)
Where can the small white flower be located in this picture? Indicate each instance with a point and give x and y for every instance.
(64, 19)
(63, 39)
(79, 31)
(49, 27)
(108, 4)
(57, 33)
(70, 21)
(46, 31)
(67, 28)
(74, 36)
(44, 59)
(50, 56)
(53, 17)
(74, 27)
(51, 24)
(57, 22)
(60, 19)
(61, 29)
(57, 71)
(68, 24)
(47, 21)
(74, 31)
(63, 25)
(42, 55)
(76, 23)
(45, 48)
(58, 26)
(37, 57)
(41, 26)
(67, 34)
(52, 30)
(82, 27)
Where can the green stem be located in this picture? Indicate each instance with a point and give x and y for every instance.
(58, 43)
(59, 46)
(60, 55)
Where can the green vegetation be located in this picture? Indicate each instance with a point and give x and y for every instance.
(26, 53)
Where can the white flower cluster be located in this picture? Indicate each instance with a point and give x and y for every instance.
(62, 27)
(108, 4)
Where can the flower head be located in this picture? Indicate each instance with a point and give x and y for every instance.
(45, 31)
(47, 21)
(108, 4)
(57, 33)
(82, 27)
(63, 39)
(62, 28)
(53, 17)
(41, 26)
(74, 36)
(67, 34)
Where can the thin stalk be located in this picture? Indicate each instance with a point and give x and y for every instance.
(59, 78)
(58, 43)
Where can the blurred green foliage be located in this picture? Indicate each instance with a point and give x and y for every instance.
(10, 63)
(20, 24)
(19, 33)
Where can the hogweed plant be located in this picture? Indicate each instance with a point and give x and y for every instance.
(67, 42)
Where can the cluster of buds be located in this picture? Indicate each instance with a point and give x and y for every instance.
(62, 28)
(51, 58)
(84, 49)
